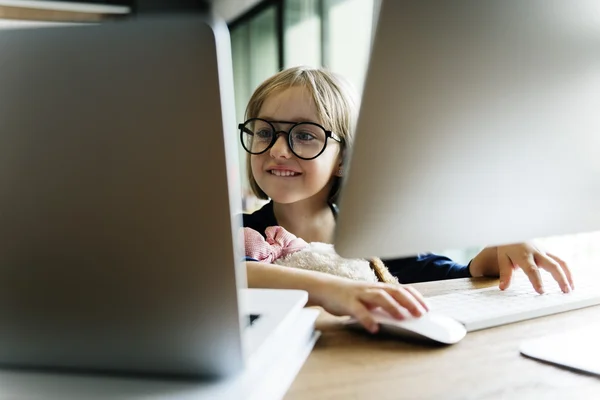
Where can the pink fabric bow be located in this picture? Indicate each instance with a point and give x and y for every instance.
(279, 243)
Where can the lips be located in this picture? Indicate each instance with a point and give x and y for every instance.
(283, 171)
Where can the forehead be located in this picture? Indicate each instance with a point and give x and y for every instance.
(291, 104)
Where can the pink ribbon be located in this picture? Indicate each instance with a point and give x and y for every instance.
(279, 243)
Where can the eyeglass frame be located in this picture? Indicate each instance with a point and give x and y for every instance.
(276, 133)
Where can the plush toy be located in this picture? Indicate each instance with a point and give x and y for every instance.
(283, 248)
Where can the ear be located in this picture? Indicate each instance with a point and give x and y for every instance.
(339, 172)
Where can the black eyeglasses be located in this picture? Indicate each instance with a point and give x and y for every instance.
(307, 140)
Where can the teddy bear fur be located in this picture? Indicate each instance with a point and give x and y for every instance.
(323, 258)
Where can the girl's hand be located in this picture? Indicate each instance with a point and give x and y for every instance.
(347, 297)
(503, 260)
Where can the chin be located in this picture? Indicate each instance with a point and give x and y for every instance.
(285, 198)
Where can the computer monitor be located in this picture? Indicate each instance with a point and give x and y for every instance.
(479, 125)
(118, 183)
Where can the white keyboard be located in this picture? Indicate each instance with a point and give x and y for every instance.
(488, 307)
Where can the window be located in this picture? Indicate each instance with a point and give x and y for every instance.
(349, 25)
(331, 33)
(302, 33)
(255, 53)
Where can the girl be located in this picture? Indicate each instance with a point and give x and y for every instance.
(297, 134)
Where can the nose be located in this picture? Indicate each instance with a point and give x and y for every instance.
(281, 148)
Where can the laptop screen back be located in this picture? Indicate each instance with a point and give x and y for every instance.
(116, 245)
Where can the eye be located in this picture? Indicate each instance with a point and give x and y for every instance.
(264, 134)
(303, 136)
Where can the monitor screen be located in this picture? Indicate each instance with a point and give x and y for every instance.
(479, 125)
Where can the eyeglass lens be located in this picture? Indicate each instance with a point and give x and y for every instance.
(306, 140)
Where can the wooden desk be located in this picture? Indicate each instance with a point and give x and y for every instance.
(484, 365)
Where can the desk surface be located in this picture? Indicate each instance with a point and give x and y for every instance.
(485, 365)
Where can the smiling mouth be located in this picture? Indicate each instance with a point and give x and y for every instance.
(282, 173)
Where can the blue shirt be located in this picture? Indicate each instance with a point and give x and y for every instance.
(421, 268)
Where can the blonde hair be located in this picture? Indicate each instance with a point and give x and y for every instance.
(336, 102)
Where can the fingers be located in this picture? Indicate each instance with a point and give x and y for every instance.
(555, 270)
(564, 267)
(418, 296)
(505, 270)
(400, 302)
(397, 308)
(530, 259)
(364, 317)
(407, 299)
(529, 266)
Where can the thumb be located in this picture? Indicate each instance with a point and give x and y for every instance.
(505, 270)
(365, 317)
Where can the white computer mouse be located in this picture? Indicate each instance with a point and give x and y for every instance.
(431, 327)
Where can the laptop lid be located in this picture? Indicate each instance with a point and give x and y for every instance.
(478, 126)
(117, 188)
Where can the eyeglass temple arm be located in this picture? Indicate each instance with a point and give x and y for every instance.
(335, 137)
(243, 128)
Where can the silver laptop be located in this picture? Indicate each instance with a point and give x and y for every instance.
(118, 183)
(479, 125)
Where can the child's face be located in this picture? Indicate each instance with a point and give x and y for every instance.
(284, 177)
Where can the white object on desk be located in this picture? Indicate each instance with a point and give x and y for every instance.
(577, 349)
(489, 307)
(431, 327)
(260, 381)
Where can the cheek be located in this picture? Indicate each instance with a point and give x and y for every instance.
(328, 164)
(255, 165)
(321, 171)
